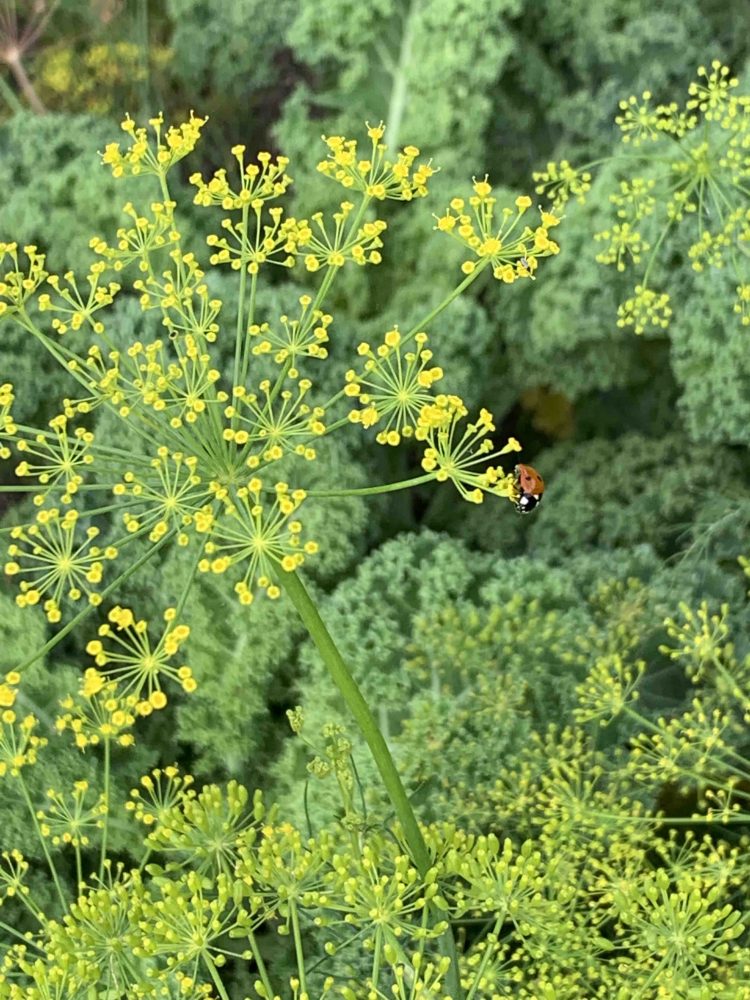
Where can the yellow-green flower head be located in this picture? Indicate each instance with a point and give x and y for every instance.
(18, 285)
(99, 712)
(7, 427)
(304, 337)
(393, 384)
(53, 559)
(375, 176)
(156, 154)
(128, 655)
(207, 437)
(646, 310)
(456, 456)
(710, 94)
(560, 182)
(68, 818)
(19, 745)
(57, 457)
(512, 248)
(256, 536)
(161, 792)
(260, 183)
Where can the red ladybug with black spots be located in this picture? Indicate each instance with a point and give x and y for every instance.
(530, 486)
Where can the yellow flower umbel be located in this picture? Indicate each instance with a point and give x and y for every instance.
(457, 458)
(99, 713)
(375, 175)
(191, 466)
(8, 429)
(53, 563)
(139, 667)
(67, 818)
(394, 384)
(55, 457)
(153, 156)
(258, 536)
(512, 249)
(19, 746)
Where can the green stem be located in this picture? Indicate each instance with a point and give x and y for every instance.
(298, 947)
(397, 102)
(143, 32)
(488, 952)
(42, 841)
(10, 97)
(377, 954)
(79, 868)
(19, 935)
(106, 792)
(211, 966)
(366, 491)
(365, 720)
(239, 339)
(458, 290)
(262, 971)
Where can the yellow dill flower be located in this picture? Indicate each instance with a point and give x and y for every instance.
(161, 792)
(8, 428)
(54, 561)
(138, 666)
(512, 249)
(56, 457)
(560, 182)
(457, 458)
(323, 249)
(623, 242)
(157, 155)
(18, 286)
(68, 817)
(376, 176)
(19, 745)
(99, 712)
(269, 427)
(645, 310)
(393, 385)
(258, 537)
(710, 94)
(303, 337)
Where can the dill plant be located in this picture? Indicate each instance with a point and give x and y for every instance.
(684, 174)
(203, 463)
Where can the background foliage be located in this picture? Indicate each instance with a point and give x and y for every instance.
(471, 629)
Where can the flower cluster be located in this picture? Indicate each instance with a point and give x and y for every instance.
(100, 713)
(688, 180)
(157, 157)
(203, 483)
(393, 384)
(376, 176)
(454, 454)
(138, 666)
(513, 252)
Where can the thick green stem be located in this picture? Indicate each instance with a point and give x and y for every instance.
(43, 842)
(298, 947)
(262, 971)
(107, 796)
(365, 720)
(211, 966)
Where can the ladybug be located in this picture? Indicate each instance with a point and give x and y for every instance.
(530, 486)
